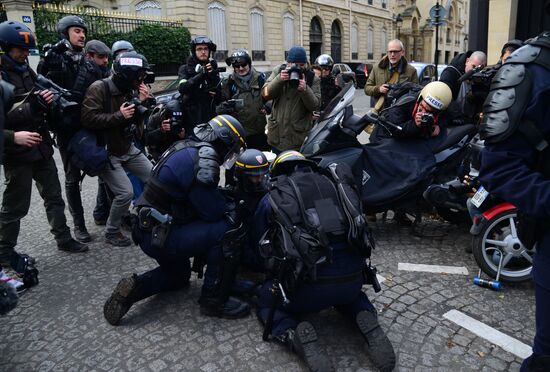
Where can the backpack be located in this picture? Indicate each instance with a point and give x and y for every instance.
(399, 90)
(311, 210)
(86, 149)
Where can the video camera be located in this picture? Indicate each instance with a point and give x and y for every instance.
(200, 69)
(62, 109)
(481, 81)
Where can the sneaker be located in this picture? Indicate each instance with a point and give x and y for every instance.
(11, 281)
(72, 246)
(118, 240)
(120, 301)
(378, 346)
(233, 308)
(304, 343)
(81, 234)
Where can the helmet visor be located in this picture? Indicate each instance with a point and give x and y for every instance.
(231, 157)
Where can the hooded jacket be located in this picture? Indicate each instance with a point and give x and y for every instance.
(380, 74)
(454, 71)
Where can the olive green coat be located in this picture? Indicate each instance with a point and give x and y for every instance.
(291, 116)
(380, 74)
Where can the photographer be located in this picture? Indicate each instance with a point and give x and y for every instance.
(200, 82)
(296, 94)
(329, 85)
(164, 127)
(241, 96)
(28, 152)
(115, 107)
(426, 108)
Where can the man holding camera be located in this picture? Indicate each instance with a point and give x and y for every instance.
(164, 127)
(392, 69)
(200, 82)
(28, 152)
(296, 94)
(115, 107)
(241, 96)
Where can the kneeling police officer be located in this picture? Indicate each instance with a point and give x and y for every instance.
(316, 243)
(182, 214)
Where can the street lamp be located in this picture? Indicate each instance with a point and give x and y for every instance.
(465, 42)
(398, 23)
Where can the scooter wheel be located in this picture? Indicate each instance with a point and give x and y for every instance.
(499, 238)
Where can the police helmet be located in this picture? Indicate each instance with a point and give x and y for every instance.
(324, 60)
(201, 39)
(70, 21)
(120, 46)
(254, 163)
(239, 56)
(15, 34)
(97, 47)
(130, 66)
(226, 134)
(437, 94)
(287, 160)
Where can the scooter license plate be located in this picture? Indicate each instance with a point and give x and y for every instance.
(480, 196)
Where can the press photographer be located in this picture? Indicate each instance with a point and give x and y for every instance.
(241, 96)
(200, 82)
(115, 107)
(28, 152)
(296, 93)
(165, 126)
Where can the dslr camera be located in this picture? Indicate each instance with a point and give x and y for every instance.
(294, 76)
(200, 69)
(427, 120)
(140, 108)
(176, 121)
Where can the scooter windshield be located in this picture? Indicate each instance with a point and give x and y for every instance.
(331, 113)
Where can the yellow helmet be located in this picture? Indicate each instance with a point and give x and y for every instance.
(437, 94)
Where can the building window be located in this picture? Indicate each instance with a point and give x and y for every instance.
(370, 42)
(383, 41)
(354, 41)
(257, 34)
(370, 2)
(218, 34)
(288, 31)
(384, 4)
(148, 9)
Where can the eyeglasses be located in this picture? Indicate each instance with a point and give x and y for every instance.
(202, 49)
(395, 51)
(237, 66)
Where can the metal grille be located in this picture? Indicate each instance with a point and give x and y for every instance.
(3, 15)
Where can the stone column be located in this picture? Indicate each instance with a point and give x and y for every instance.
(502, 26)
(21, 11)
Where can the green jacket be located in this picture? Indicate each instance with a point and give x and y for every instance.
(251, 117)
(380, 74)
(291, 115)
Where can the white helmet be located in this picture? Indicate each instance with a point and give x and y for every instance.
(437, 94)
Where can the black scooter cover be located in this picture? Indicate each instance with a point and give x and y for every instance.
(394, 168)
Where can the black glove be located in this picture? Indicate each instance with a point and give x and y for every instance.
(190, 84)
(54, 61)
(214, 65)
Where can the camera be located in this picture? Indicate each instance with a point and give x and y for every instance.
(25, 266)
(60, 47)
(140, 108)
(200, 69)
(149, 77)
(294, 75)
(481, 82)
(176, 122)
(427, 120)
(61, 110)
(236, 104)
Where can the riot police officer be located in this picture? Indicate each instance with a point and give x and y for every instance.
(515, 166)
(182, 214)
(200, 82)
(28, 154)
(330, 266)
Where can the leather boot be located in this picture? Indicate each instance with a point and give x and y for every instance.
(212, 304)
(81, 234)
(378, 346)
(303, 341)
(123, 297)
(72, 246)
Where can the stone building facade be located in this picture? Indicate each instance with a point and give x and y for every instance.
(349, 30)
(418, 35)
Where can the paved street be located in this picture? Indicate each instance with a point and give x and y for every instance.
(59, 324)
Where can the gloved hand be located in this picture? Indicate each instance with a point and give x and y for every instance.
(190, 84)
(54, 61)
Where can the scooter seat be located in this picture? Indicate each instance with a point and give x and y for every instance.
(453, 136)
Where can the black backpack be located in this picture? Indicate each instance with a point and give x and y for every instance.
(399, 90)
(312, 208)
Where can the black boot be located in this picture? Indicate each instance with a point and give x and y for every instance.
(378, 346)
(303, 341)
(212, 304)
(81, 234)
(72, 246)
(122, 298)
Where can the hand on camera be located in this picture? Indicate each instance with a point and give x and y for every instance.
(54, 61)
(127, 110)
(302, 84)
(28, 139)
(144, 92)
(384, 88)
(285, 75)
(46, 96)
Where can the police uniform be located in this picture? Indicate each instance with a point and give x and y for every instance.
(514, 164)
